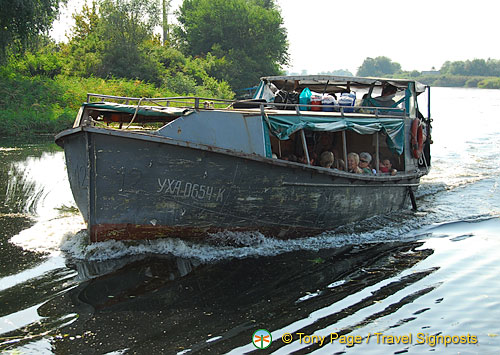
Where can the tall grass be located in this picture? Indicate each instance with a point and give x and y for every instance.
(39, 104)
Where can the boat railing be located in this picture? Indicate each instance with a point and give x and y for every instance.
(196, 103)
(177, 101)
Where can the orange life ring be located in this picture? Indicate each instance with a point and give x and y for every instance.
(417, 138)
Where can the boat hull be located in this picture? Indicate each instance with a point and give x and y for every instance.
(139, 186)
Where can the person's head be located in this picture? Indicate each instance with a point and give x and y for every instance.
(290, 157)
(389, 89)
(364, 160)
(326, 159)
(385, 165)
(352, 161)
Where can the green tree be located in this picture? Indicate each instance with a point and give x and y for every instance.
(378, 67)
(22, 21)
(115, 40)
(475, 67)
(248, 34)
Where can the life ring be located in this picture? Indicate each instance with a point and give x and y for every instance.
(417, 138)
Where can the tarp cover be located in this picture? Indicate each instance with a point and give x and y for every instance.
(283, 126)
(143, 110)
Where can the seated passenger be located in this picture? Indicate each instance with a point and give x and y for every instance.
(352, 163)
(338, 163)
(386, 167)
(312, 159)
(386, 99)
(364, 163)
(326, 159)
(289, 157)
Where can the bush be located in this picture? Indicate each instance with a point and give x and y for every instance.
(40, 104)
(490, 83)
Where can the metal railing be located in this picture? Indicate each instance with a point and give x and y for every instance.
(178, 101)
(213, 103)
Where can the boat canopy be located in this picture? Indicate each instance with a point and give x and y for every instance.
(283, 126)
(333, 84)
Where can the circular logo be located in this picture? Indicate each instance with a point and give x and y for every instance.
(262, 339)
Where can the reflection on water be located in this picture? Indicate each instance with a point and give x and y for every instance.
(35, 186)
(433, 272)
(171, 304)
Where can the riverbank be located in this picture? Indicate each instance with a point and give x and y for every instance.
(42, 105)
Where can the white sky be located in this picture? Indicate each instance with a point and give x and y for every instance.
(326, 35)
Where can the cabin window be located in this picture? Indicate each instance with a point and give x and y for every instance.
(319, 142)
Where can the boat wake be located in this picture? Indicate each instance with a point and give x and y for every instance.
(239, 245)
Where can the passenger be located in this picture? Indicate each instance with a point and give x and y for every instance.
(338, 163)
(386, 167)
(303, 159)
(313, 157)
(386, 99)
(290, 157)
(388, 90)
(364, 163)
(326, 159)
(352, 163)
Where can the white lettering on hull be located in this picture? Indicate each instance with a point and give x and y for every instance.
(185, 189)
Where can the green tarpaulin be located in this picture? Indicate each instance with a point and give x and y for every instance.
(284, 126)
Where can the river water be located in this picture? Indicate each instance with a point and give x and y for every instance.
(407, 282)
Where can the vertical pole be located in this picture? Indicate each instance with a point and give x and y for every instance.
(344, 147)
(428, 102)
(304, 146)
(377, 152)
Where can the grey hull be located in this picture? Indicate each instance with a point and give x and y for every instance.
(141, 186)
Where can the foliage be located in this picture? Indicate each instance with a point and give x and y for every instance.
(111, 40)
(31, 104)
(489, 83)
(378, 67)
(476, 67)
(247, 34)
(478, 73)
(47, 61)
(22, 21)
(34, 98)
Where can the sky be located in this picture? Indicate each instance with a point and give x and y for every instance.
(326, 35)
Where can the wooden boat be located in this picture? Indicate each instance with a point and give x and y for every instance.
(143, 168)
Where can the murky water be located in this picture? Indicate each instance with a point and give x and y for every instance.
(409, 282)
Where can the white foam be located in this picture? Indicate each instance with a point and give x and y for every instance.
(46, 236)
(237, 245)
